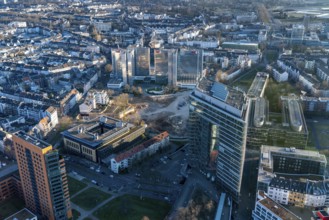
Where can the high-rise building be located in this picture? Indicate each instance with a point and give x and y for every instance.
(297, 33)
(165, 61)
(142, 62)
(130, 65)
(218, 125)
(189, 67)
(119, 64)
(43, 177)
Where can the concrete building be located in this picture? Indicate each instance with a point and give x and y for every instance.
(189, 67)
(98, 138)
(128, 158)
(218, 124)
(43, 177)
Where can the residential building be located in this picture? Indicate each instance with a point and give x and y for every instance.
(130, 157)
(293, 177)
(218, 125)
(280, 77)
(268, 209)
(43, 177)
(97, 139)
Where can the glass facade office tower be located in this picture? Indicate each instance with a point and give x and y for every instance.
(218, 125)
(142, 62)
(165, 62)
(119, 64)
(43, 178)
(189, 67)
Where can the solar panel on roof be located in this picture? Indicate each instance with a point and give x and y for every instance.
(219, 91)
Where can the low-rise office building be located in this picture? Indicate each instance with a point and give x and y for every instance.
(97, 139)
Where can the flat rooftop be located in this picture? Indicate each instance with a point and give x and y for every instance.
(277, 209)
(258, 85)
(231, 96)
(97, 131)
(22, 215)
(267, 152)
(33, 140)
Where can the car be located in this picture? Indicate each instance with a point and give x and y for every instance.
(111, 176)
(94, 182)
(92, 168)
(98, 170)
(103, 172)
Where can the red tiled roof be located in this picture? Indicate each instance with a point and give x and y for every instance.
(141, 147)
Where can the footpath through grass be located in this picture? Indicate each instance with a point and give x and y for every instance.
(90, 198)
(75, 185)
(130, 207)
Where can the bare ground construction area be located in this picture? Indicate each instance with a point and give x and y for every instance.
(168, 113)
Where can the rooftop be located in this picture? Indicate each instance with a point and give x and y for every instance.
(231, 96)
(258, 85)
(96, 132)
(24, 214)
(141, 147)
(277, 209)
(33, 140)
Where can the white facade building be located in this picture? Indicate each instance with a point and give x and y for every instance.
(128, 158)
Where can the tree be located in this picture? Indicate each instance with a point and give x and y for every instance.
(108, 68)
(126, 88)
(122, 99)
(110, 92)
(140, 90)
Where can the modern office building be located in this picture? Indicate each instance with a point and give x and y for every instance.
(189, 67)
(287, 129)
(119, 64)
(218, 125)
(142, 62)
(97, 139)
(43, 177)
(165, 66)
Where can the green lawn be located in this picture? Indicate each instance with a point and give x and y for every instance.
(75, 185)
(129, 207)
(273, 92)
(322, 132)
(89, 198)
(246, 78)
(10, 206)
